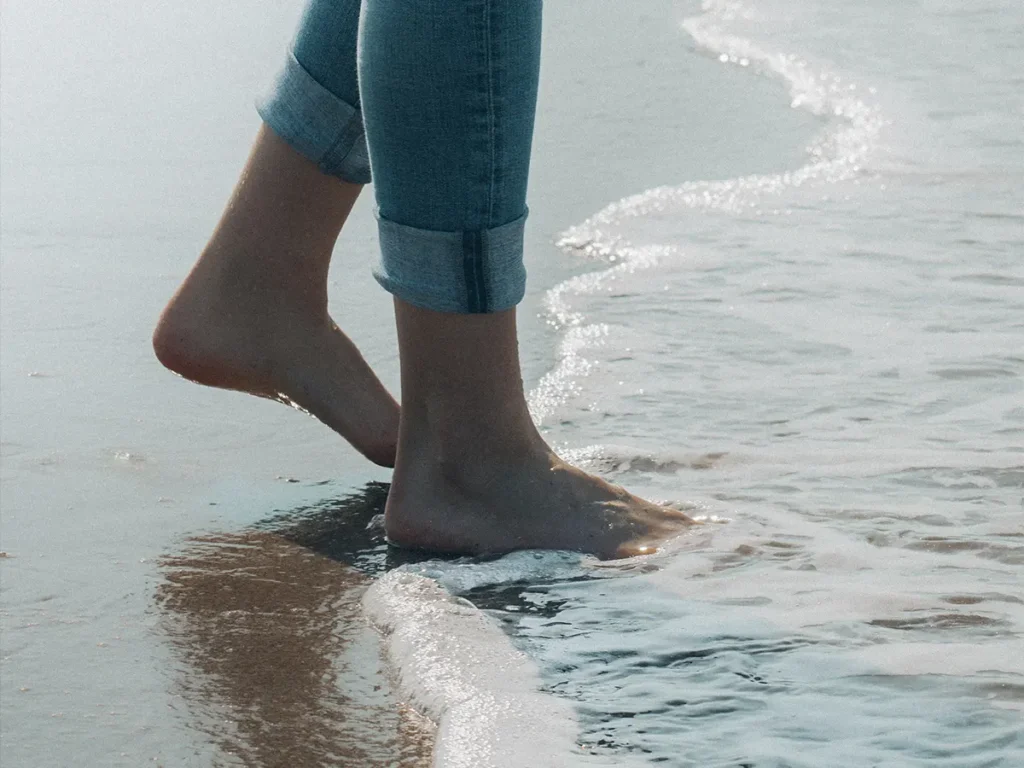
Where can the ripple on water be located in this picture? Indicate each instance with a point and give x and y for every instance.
(658, 680)
(830, 359)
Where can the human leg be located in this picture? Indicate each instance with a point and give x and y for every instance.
(449, 89)
(252, 314)
(473, 475)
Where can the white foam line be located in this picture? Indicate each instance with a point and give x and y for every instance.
(560, 385)
(837, 156)
(460, 670)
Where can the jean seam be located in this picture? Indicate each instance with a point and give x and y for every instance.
(477, 270)
(474, 274)
(305, 114)
(473, 270)
(342, 134)
(491, 119)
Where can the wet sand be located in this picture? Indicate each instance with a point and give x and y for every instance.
(275, 665)
(151, 615)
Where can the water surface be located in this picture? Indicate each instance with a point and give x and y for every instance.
(786, 293)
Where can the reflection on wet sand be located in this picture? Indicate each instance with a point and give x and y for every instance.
(277, 665)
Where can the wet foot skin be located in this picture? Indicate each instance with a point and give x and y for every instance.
(232, 333)
(473, 475)
(498, 502)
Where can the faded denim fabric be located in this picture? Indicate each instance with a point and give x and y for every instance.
(440, 103)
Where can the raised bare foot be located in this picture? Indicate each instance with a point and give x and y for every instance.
(223, 330)
(498, 501)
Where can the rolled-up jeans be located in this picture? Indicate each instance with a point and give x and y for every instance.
(438, 98)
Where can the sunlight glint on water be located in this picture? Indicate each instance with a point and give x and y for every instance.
(829, 357)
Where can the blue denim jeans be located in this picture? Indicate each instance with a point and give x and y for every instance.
(437, 97)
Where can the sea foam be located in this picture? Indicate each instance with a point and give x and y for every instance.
(455, 666)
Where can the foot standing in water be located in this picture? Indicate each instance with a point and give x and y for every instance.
(440, 103)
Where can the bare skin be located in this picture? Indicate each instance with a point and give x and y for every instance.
(473, 475)
(252, 314)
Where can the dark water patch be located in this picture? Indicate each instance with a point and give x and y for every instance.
(936, 521)
(976, 599)
(992, 550)
(998, 216)
(964, 374)
(1002, 691)
(1009, 477)
(940, 621)
(987, 278)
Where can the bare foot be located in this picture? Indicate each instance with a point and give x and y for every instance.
(493, 502)
(224, 330)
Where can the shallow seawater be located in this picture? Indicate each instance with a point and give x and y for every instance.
(827, 363)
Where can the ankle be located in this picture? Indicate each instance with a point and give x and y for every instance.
(240, 284)
(466, 451)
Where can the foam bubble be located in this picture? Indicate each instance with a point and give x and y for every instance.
(533, 565)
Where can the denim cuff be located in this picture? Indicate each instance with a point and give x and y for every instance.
(469, 272)
(316, 123)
